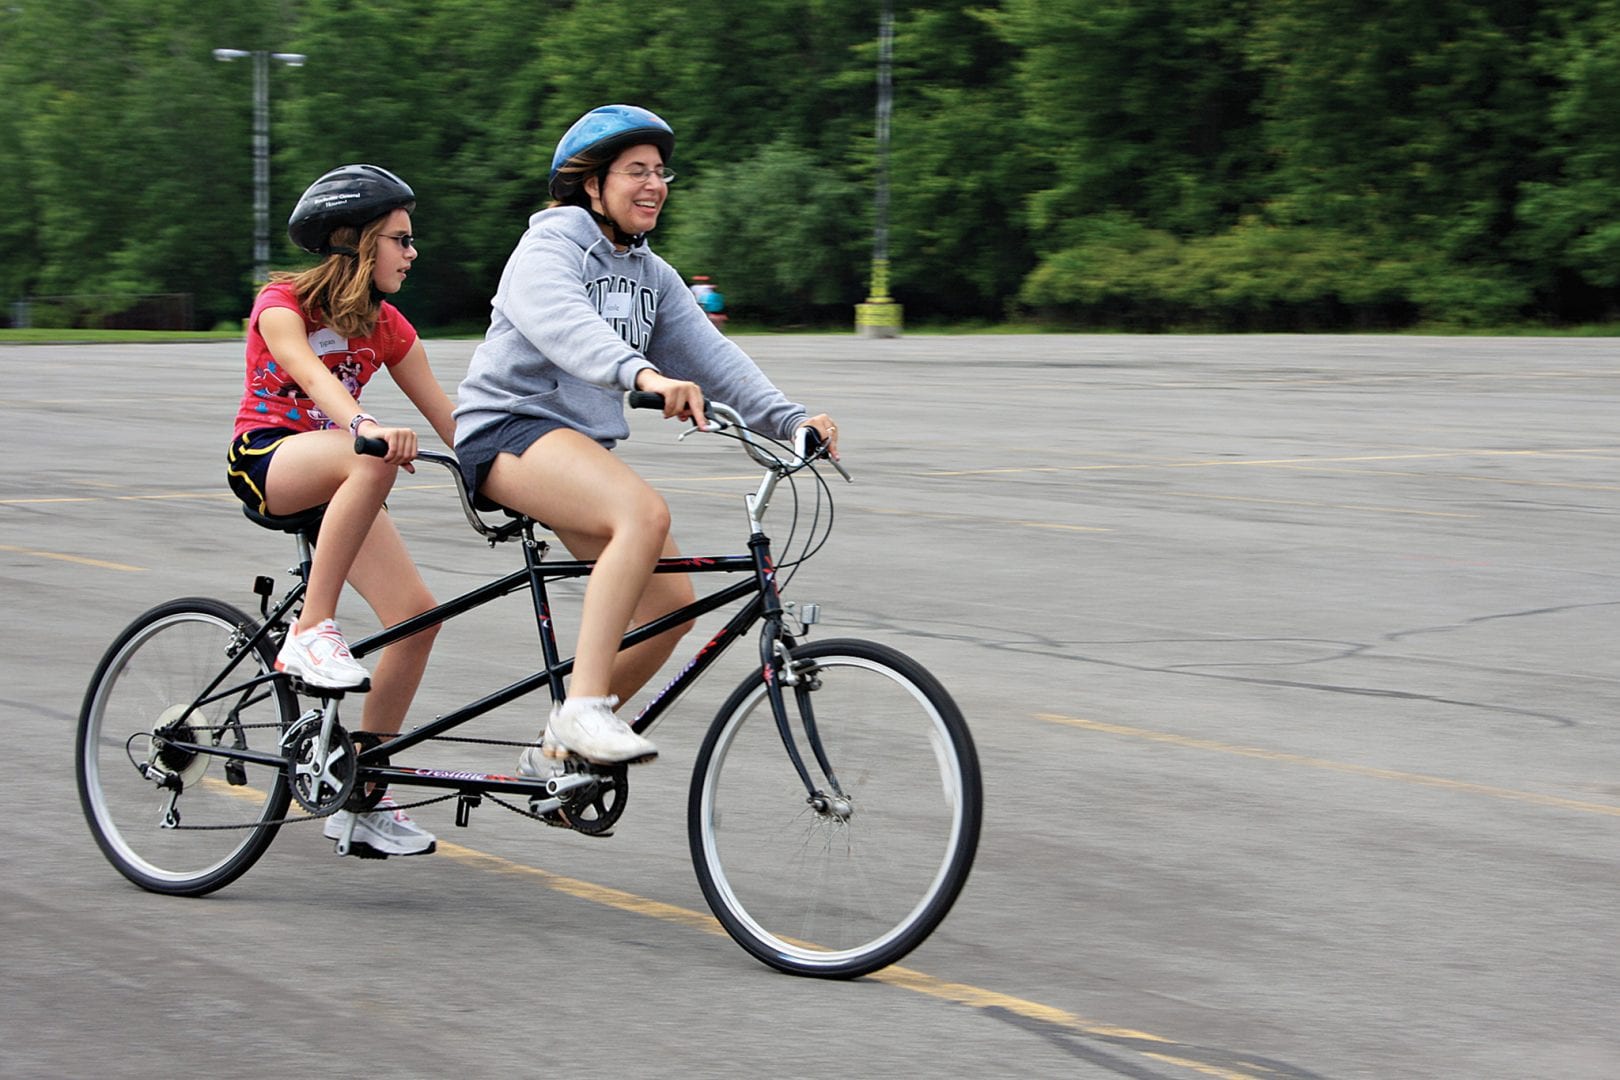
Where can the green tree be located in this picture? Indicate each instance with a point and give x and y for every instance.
(961, 167)
(117, 142)
(1414, 126)
(774, 230)
(1139, 104)
(1569, 217)
(1257, 163)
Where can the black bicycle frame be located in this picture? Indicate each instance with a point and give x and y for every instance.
(765, 605)
(536, 574)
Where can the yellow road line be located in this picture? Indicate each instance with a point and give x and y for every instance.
(976, 519)
(1460, 476)
(968, 519)
(118, 498)
(1464, 786)
(60, 499)
(586, 890)
(979, 998)
(1297, 461)
(1313, 504)
(904, 978)
(80, 559)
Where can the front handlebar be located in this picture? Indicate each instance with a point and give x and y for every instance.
(815, 447)
(722, 417)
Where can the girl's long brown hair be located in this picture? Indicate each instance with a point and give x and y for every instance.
(337, 292)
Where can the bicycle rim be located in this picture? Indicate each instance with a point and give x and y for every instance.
(146, 683)
(826, 893)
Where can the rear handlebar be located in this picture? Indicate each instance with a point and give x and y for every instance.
(722, 417)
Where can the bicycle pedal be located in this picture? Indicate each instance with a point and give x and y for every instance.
(558, 819)
(361, 850)
(562, 823)
(301, 687)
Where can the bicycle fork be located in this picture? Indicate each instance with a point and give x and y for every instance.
(779, 670)
(804, 684)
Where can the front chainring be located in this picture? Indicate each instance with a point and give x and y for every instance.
(321, 779)
(594, 808)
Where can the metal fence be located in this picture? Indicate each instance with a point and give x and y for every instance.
(97, 311)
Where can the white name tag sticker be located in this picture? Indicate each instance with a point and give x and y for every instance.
(617, 305)
(326, 340)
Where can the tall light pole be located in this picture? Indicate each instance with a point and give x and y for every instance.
(880, 315)
(261, 147)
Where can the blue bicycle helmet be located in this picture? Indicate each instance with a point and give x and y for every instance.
(603, 132)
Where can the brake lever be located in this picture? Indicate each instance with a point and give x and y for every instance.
(715, 424)
(802, 446)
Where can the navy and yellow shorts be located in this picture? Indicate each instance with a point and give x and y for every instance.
(248, 463)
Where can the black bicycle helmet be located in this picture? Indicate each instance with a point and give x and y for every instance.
(348, 195)
(603, 132)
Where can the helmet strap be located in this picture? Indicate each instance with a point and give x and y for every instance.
(619, 235)
(629, 240)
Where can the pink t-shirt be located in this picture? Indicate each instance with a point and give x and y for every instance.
(272, 399)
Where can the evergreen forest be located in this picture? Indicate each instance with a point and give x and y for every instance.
(1119, 164)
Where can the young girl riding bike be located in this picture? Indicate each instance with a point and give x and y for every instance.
(314, 339)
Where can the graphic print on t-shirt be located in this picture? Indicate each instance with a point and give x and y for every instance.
(280, 398)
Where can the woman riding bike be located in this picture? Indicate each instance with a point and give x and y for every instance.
(584, 312)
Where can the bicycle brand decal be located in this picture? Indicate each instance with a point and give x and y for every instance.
(681, 674)
(446, 774)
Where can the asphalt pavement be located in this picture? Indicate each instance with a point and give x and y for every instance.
(1291, 662)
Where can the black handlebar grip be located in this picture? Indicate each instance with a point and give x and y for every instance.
(646, 399)
(370, 447)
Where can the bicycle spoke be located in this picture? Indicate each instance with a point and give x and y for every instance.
(138, 701)
(854, 885)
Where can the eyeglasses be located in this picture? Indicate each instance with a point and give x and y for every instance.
(406, 240)
(641, 174)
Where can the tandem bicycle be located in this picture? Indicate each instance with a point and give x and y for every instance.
(834, 807)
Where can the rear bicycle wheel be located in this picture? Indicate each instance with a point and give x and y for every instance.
(140, 698)
(851, 883)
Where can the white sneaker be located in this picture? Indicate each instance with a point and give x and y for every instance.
(590, 728)
(321, 658)
(382, 832)
(544, 761)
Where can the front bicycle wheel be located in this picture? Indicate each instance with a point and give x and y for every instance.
(216, 816)
(849, 880)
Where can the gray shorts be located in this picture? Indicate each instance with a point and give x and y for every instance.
(512, 435)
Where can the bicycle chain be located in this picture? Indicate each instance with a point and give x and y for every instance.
(554, 822)
(436, 738)
(309, 817)
(400, 806)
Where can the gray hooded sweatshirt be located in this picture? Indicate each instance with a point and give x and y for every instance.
(574, 321)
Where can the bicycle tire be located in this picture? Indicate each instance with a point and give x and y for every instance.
(149, 677)
(819, 893)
